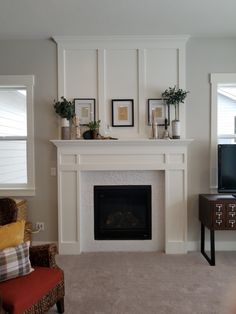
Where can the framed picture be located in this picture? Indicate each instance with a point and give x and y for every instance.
(122, 112)
(85, 110)
(160, 110)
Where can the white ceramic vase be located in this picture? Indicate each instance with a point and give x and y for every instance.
(175, 129)
(65, 129)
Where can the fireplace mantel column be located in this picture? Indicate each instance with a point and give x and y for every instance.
(142, 154)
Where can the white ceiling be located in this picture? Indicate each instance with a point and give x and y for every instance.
(45, 18)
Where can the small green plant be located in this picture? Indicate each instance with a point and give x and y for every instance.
(174, 96)
(64, 108)
(94, 125)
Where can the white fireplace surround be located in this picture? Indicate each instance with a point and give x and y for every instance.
(89, 179)
(76, 157)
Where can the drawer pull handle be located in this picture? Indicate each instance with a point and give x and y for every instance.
(232, 222)
(232, 214)
(232, 206)
(219, 222)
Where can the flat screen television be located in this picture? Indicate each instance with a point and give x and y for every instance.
(227, 168)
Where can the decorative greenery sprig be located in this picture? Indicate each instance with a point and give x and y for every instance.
(174, 96)
(64, 108)
(94, 125)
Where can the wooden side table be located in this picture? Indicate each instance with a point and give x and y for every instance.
(216, 212)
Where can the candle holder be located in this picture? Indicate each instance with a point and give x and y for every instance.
(76, 132)
(154, 126)
(166, 135)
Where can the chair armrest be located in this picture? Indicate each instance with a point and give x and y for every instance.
(43, 255)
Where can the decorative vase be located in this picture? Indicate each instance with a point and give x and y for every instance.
(177, 111)
(94, 134)
(154, 131)
(175, 129)
(176, 123)
(65, 129)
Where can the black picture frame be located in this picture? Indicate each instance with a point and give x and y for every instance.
(122, 112)
(162, 109)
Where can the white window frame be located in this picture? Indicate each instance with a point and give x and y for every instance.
(215, 80)
(26, 82)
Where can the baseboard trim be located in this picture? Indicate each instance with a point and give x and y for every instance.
(175, 247)
(191, 246)
(219, 246)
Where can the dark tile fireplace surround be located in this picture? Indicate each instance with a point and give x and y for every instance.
(122, 212)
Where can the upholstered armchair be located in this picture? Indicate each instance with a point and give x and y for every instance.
(38, 291)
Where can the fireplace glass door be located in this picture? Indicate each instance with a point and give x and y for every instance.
(122, 212)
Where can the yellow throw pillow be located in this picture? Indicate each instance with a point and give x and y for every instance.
(12, 234)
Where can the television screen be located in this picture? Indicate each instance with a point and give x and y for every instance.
(227, 168)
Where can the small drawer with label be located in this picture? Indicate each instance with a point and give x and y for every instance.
(231, 215)
(218, 215)
(218, 207)
(219, 223)
(231, 223)
(231, 207)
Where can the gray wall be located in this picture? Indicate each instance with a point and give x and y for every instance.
(38, 58)
(204, 56)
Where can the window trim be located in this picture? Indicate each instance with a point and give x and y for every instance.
(215, 80)
(27, 82)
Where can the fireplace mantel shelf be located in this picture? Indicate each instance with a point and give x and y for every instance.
(76, 156)
(144, 141)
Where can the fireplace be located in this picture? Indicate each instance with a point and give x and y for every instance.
(122, 212)
(83, 164)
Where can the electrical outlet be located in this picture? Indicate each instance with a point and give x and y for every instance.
(53, 172)
(39, 226)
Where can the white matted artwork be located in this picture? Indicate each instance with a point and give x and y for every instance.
(122, 112)
(158, 109)
(85, 110)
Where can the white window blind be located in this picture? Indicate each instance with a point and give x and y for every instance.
(223, 112)
(226, 114)
(13, 136)
(16, 136)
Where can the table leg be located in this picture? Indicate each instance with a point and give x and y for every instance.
(211, 260)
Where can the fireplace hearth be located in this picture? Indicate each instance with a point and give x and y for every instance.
(122, 212)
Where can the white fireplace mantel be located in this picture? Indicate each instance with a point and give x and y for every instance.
(75, 156)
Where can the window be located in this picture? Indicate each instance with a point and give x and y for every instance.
(16, 136)
(223, 117)
(226, 113)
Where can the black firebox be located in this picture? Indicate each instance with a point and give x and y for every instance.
(122, 212)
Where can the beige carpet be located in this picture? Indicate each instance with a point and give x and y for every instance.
(146, 283)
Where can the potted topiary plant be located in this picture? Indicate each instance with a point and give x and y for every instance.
(174, 96)
(65, 109)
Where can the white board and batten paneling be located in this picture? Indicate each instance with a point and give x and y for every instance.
(108, 68)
